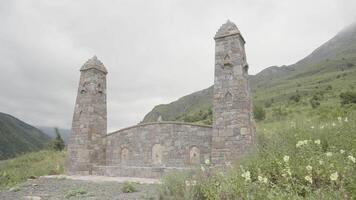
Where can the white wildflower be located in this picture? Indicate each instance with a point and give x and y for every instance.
(262, 179)
(328, 154)
(246, 175)
(351, 158)
(339, 119)
(190, 183)
(333, 124)
(207, 161)
(312, 127)
(342, 151)
(228, 164)
(346, 120)
(309, 168)
(288, 171)
(309, 179)
(334, 176)
(286, 158)
(301, 143)
(265, 180)
(317, 142)
(322, 127)
(202, 168)
(321, 162)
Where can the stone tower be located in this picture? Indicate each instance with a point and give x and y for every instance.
(233, 125)
(86, 146)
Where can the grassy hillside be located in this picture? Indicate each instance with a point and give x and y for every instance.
(17, 137)
(325, 73)
(300, 158)
(21, 168)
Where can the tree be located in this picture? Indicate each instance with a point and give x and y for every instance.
(57, 143)
(259, 113)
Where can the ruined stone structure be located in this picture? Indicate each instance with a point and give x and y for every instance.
(148, 150)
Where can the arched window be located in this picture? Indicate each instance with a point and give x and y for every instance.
(227, 61)
(194, 155)
(157, 154)
(124, 155)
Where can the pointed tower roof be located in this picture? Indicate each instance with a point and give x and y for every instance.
(94, 63)
(227, 29)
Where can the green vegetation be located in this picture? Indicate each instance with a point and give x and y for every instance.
(77, 193)
(57, 144)
(17, 137)
(21, 168)
(300, 158)
(128, 187)
(348, 98)
(259, 113)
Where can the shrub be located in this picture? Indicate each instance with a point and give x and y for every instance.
(259, 113)
(128, 187)
(315, 101)
(348, 98)
(57, 143)
(329, 87)
(268, 103)
(295, 97)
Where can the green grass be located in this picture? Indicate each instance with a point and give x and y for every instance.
(77, 193)
(21, 168)
(128, 187)
(299, 158)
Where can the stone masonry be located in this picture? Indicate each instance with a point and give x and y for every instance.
(86, 146)
(149, 150)
(233, 126)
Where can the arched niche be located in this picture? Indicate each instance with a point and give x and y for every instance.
(194, 155)
(157, 154)
(124, 155)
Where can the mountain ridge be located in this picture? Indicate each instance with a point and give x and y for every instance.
(17, 137)
(335, 55)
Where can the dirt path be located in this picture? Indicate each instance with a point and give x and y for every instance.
(81, 187)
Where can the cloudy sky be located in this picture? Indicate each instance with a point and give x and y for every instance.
(155, 51)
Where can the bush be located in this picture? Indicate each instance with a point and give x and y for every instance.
(128, 187)
(57, 143)
(315, 101)
(259, 113)
(348, 98)
(295, 97)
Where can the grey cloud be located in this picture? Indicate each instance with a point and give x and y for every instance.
(155, 51)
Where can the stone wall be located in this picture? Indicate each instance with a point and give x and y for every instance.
(147, 150)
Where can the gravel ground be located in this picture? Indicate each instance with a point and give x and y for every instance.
(63, 188)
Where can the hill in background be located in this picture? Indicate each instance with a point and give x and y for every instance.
(17, 137)
(323, 75)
